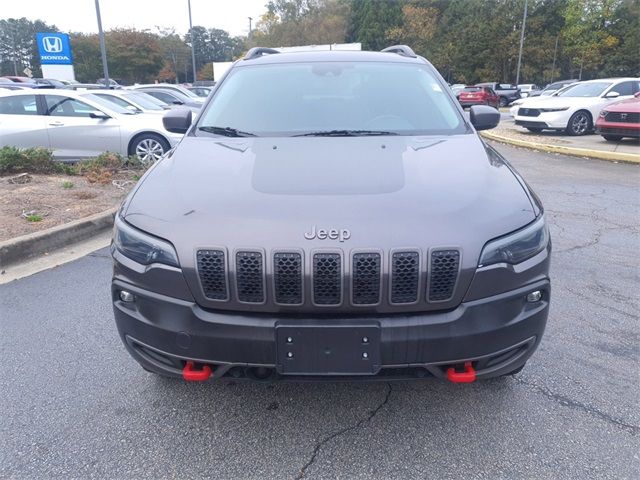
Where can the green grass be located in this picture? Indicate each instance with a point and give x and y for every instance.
(34, 218)
(67, 184)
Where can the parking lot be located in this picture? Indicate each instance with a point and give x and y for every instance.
(76, 405)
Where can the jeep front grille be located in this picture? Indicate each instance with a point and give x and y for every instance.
(330, 278)
(444, 273)
(250, 277)
(366, 273)
(213, 274)
(405, 276)
(287, 278)
(327, 279)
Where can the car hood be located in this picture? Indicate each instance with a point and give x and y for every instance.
(629, 105)
(389, 192)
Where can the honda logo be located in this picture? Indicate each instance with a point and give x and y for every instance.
(52, 44)
(623, 116)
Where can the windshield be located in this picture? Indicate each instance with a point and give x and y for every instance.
(593, 89)
(352, 97)
(145, 101)
(107, 104)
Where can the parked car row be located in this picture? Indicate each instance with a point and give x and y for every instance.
(81, 124)
(576, 107)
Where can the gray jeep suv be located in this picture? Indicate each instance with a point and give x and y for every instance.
(331, 215)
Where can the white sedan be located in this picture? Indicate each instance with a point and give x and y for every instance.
(137, 102)
(75, 125)
(575, 108)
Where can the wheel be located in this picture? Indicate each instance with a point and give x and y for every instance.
(579, 124)
(534, 129)
(504, 102)
(149, 147)
(612, 138)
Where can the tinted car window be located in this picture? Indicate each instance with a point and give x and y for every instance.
(145, 101)
(165, 97)
(20, 105)
(116, 100)
(67, 107)
(290, 99)
(472, 89)
(625, 88)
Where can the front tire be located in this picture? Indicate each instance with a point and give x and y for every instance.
(149, 147)
(612, 138)
(579, 124)
(504, 102)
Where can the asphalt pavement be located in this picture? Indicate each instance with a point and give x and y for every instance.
(74, 404)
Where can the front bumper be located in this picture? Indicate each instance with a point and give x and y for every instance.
(550, 120)
(618, 128)
(498, 334)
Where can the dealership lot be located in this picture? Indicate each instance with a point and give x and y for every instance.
(75, 404)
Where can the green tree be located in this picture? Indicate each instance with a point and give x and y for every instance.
(18, 48)
(371, 20)
(87, 62)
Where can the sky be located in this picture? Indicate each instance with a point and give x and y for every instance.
(80, 15)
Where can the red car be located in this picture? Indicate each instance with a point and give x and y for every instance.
(620, 119)
(479, 96)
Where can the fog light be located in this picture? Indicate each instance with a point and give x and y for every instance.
(126, 296)
(534, 296)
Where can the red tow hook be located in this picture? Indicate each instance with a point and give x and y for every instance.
(191, 375)
(468, 376)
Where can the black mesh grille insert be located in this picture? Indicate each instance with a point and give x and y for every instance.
(249, 277)
(287, 271)
(212, 272)
(444, 273)
(405, 272)
(327, 279)
(366, 278)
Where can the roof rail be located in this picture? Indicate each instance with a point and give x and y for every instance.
(256, 52)
(403, 50)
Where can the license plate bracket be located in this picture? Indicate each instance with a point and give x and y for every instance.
(328, 350)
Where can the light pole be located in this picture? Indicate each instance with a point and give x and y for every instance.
(103, 48)
(524, 22)
(193, 51)
(250, 27)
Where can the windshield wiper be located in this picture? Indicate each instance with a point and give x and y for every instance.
(227, 131)
(345, 133)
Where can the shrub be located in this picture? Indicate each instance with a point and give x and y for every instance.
(31, 160)
(67, 184)
(34, 217)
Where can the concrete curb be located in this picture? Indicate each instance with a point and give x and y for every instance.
(579, 152)
(22, 248)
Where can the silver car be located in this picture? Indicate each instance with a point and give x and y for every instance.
(136, 102)
(173, 95)
(77, 125)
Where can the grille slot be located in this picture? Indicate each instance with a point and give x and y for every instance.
(631, 117)
(444, 274)
(249, 277)
(287, 280)
(405, 274)
(366, 278)
(327, 279)
(528, 112)
(213, 274)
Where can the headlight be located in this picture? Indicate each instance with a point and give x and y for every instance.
(557, 109)
(603, 113)
(517, 247)
(141, 247)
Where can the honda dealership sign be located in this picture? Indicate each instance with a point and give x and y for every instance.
(54, 49)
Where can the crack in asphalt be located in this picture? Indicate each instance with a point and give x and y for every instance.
(327, 439)
(576, 405)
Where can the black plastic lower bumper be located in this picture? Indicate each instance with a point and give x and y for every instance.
(498, 334)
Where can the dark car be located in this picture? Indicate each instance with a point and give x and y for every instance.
(508, 93)
(552, 88)
(315, 223)
(478, 96)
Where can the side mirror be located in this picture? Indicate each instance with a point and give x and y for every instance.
(484, 117)
(612, 94)
(99, 115)
(177, 120)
